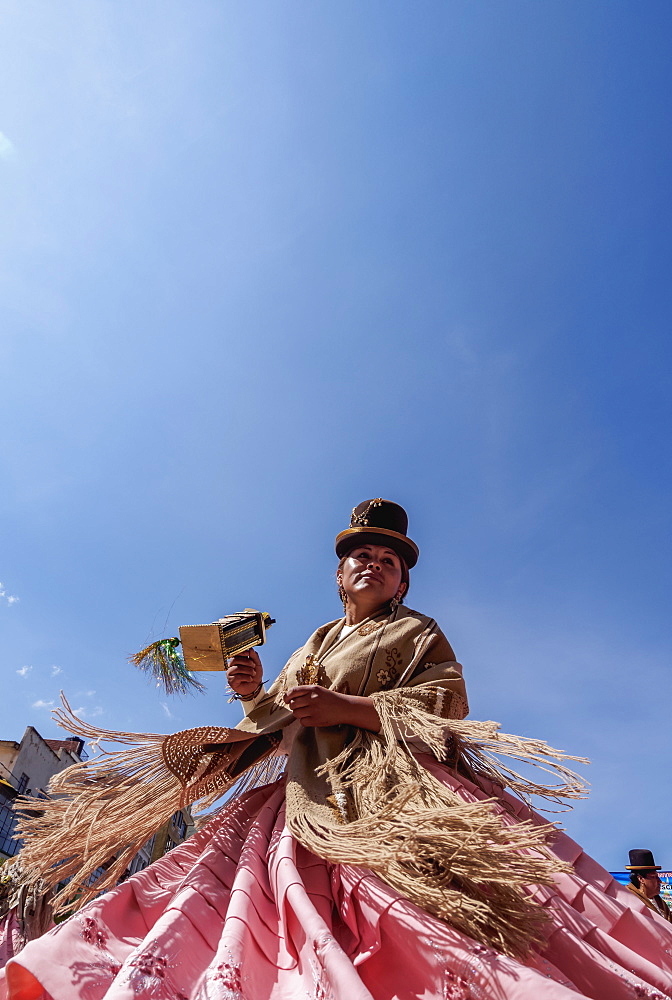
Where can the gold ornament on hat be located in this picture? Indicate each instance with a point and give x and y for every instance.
(362, 520)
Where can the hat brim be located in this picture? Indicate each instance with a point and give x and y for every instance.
(401, 544)
(643, 868)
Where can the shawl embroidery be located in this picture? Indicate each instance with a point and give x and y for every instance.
(352, 796)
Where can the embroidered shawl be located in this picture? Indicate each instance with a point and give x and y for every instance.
(352, 796)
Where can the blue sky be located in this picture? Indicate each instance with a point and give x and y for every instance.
(261, 261)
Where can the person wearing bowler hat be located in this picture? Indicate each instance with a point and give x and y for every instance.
(375, 843)
(645, 882)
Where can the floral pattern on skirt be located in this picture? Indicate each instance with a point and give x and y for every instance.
(243, 912)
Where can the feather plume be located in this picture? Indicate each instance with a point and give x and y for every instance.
(166, 666)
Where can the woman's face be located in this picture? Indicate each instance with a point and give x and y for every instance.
(371, 573)
(650, 883)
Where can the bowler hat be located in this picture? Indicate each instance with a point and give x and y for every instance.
(640, 859)
(378, 522)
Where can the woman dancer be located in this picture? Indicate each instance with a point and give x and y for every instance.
(388, 860)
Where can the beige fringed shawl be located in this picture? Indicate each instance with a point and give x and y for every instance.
(353, 796)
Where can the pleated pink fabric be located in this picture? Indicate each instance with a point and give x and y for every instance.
(243, 912)
(10, 937)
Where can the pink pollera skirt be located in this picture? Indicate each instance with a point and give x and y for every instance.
(241, 911)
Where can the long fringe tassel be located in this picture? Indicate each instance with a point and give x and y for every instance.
(268, 770)
(480, 744)
(459, 861)
(98, 807)
(456, 861)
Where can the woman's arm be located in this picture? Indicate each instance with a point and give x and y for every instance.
(311, 704)
(314, 705)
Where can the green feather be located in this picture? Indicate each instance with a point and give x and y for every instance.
(163, 662)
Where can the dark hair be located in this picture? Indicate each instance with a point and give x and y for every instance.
(405, 575)
(636, 876)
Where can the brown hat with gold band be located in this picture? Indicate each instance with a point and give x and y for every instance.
(378, 522)
(641, 860)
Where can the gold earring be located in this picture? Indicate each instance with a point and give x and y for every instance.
(395, 602)
(343, 596)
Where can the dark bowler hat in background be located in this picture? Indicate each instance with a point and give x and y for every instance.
(379, 522)
(640, 859)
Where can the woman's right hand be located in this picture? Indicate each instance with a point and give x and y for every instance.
(245, 672)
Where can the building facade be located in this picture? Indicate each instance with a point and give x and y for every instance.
(26, 768)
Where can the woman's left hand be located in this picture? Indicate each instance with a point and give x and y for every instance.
(314, 705)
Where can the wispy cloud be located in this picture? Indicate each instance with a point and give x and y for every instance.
(165, 708)
(55, 671)
(9, 598)
(41, 703)
(89, 713)
(7, 147)
(24, 671)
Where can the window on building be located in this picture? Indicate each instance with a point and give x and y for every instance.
(180, 824)
(94, 876)
(8, 845)
(137, 864)
(23, 784)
